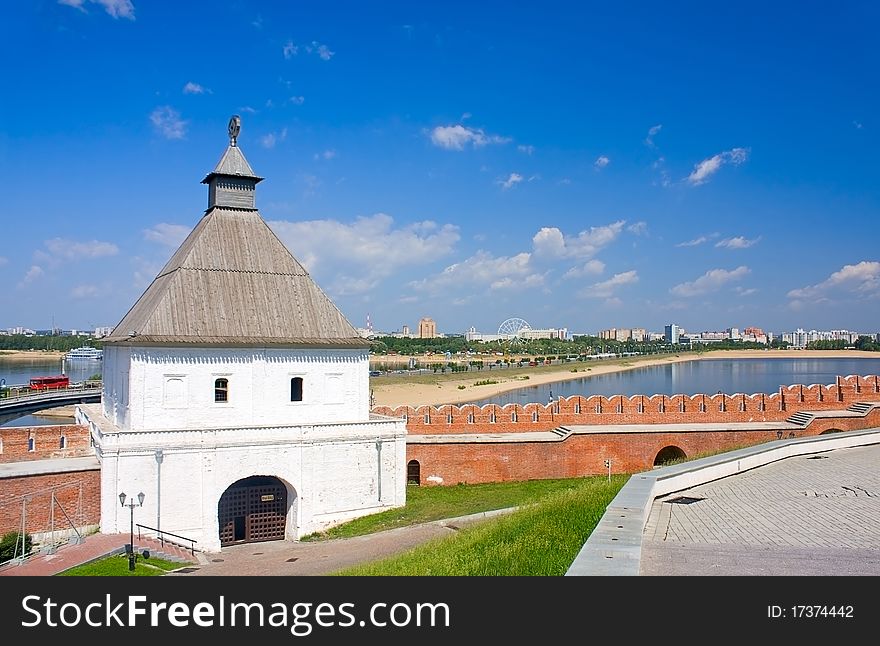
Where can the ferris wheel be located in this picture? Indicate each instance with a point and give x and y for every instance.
(513, 328)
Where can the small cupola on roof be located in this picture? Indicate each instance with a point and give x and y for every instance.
(232, 183)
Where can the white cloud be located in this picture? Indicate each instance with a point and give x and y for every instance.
(355, 257)
(32, 274)
(84, 291)
(652, 131)
(694, 242)
(327, 154)
(511, 181)
(483, 270)
(639, 228)
(167, 122)
(296, 100)
(606, 288)
(458, 136)
(195, 88)
(857, 125)
(170, 235)
(323, 51)
(862, 279)
(289, 50)
(551, 242)
(590, 268)
(116, 8)
(601, 162)
(3, 260)
(743, 291)
(711, 165)
(711, 281)
(61, 248)
(269, 140)
(528, 150)
(738, 242)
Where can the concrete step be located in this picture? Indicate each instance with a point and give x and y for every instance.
(169, 551)
(861, 407)
(801, 418)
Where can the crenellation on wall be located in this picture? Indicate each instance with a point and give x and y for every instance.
(637, 409)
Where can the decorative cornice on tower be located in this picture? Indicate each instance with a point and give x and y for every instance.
(232, 183)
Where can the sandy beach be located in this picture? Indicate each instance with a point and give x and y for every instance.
(400, 390)
(30, 355)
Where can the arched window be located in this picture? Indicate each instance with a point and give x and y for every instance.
(62, 443)
(32, 445)
(296, 389)
(221, 390)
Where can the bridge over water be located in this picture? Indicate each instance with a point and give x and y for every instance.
(21, 401)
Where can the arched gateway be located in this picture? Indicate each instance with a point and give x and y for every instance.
(253, 510)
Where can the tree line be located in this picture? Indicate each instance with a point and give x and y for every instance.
(48, 342)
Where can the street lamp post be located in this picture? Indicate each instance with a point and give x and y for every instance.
(131, 505)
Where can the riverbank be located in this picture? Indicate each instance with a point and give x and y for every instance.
(402, 390)
(31, 355)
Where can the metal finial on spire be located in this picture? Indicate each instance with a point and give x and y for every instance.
(234, 129)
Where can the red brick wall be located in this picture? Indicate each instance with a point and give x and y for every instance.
(47, 442)
(78, 492)
(585, 454)
(581, 455)
(639, 409)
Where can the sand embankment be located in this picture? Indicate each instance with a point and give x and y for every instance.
(30, 355)
(444, 389)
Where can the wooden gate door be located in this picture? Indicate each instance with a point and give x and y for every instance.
(253, 510)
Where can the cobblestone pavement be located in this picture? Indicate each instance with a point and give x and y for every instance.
(806, 515)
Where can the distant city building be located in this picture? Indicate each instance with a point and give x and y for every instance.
(427, 328)
(733, 333)
(671, 333)
(22, 330)
(404, 330)
(103, 331)
(637, 334)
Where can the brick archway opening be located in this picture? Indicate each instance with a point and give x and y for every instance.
(831, 430)
(253, 510)
(669, 454)
(413, 473)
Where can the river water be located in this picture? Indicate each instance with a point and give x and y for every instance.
(709, 376)
(19, 372)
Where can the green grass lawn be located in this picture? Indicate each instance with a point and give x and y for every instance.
(425, 504)
(541, 539)
(117, 565)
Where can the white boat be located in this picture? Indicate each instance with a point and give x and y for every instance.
(85, 352)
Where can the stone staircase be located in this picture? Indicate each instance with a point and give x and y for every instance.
(801, 418)
(862, 408)
(561, 432)
(169, 551)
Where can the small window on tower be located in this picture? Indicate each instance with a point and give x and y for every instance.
(296, 389)
(221, 390)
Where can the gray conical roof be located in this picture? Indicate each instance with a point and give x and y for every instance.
(233, 282)
(233, 164)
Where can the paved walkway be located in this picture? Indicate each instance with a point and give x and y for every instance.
(807, 515)
(279, 558)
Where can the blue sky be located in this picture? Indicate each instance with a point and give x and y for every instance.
(577, 164)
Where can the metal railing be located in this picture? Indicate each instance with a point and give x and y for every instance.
(161, 533)
(20, 393)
